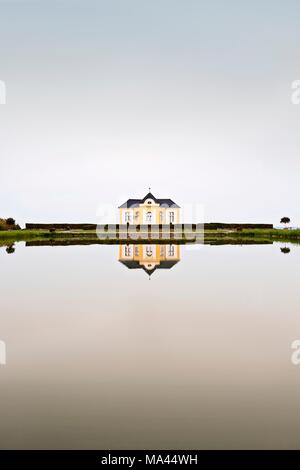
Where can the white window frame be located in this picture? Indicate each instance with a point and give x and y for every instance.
(127, 216)
(127, 250)
(171, 250)
(172, 217)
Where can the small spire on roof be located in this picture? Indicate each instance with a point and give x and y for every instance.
(149, 189)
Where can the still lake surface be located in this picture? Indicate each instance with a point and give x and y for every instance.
(199, 357)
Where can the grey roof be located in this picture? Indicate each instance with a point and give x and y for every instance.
(135, 202)
(132, 264)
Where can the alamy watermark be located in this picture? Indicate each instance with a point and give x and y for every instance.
(2, 92)
(295, 97)
(2, 353)
(295, 357)
(144, 224)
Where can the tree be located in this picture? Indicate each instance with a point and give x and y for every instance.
(285, 220)
(10, 221)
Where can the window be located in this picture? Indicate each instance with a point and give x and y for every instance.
(171, 250)
(161, 217)
(136, 251)
(127, 217)
(136, 215)
(149, 250)
(149, 216)
(127, 250)
(172, 217)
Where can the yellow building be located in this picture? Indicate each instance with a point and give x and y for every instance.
(149, 257)
(149, 210)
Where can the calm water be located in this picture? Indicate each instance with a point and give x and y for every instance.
(99, 356)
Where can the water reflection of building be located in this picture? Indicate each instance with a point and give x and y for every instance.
(149, 257)
(149, 210)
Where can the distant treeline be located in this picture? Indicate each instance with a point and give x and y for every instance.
(220, 225)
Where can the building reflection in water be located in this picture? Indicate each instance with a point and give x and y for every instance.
(149, 257)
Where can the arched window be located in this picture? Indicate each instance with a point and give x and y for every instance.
(172, 217)
(149, 216)
(149, 250)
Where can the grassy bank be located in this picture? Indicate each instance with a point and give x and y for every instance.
(272, 234)
(11, 236)
(71, 237)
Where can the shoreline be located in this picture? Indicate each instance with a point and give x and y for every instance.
(222, 235)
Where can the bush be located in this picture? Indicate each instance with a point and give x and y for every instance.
(9, 224)
(10, 221)
(2, 224)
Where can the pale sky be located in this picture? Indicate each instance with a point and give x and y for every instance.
(190, 97)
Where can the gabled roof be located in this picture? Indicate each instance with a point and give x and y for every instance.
(132, 264)
(148, 196)
(135, 202)
(131, 203)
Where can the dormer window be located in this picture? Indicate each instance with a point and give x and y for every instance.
(149, 251)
